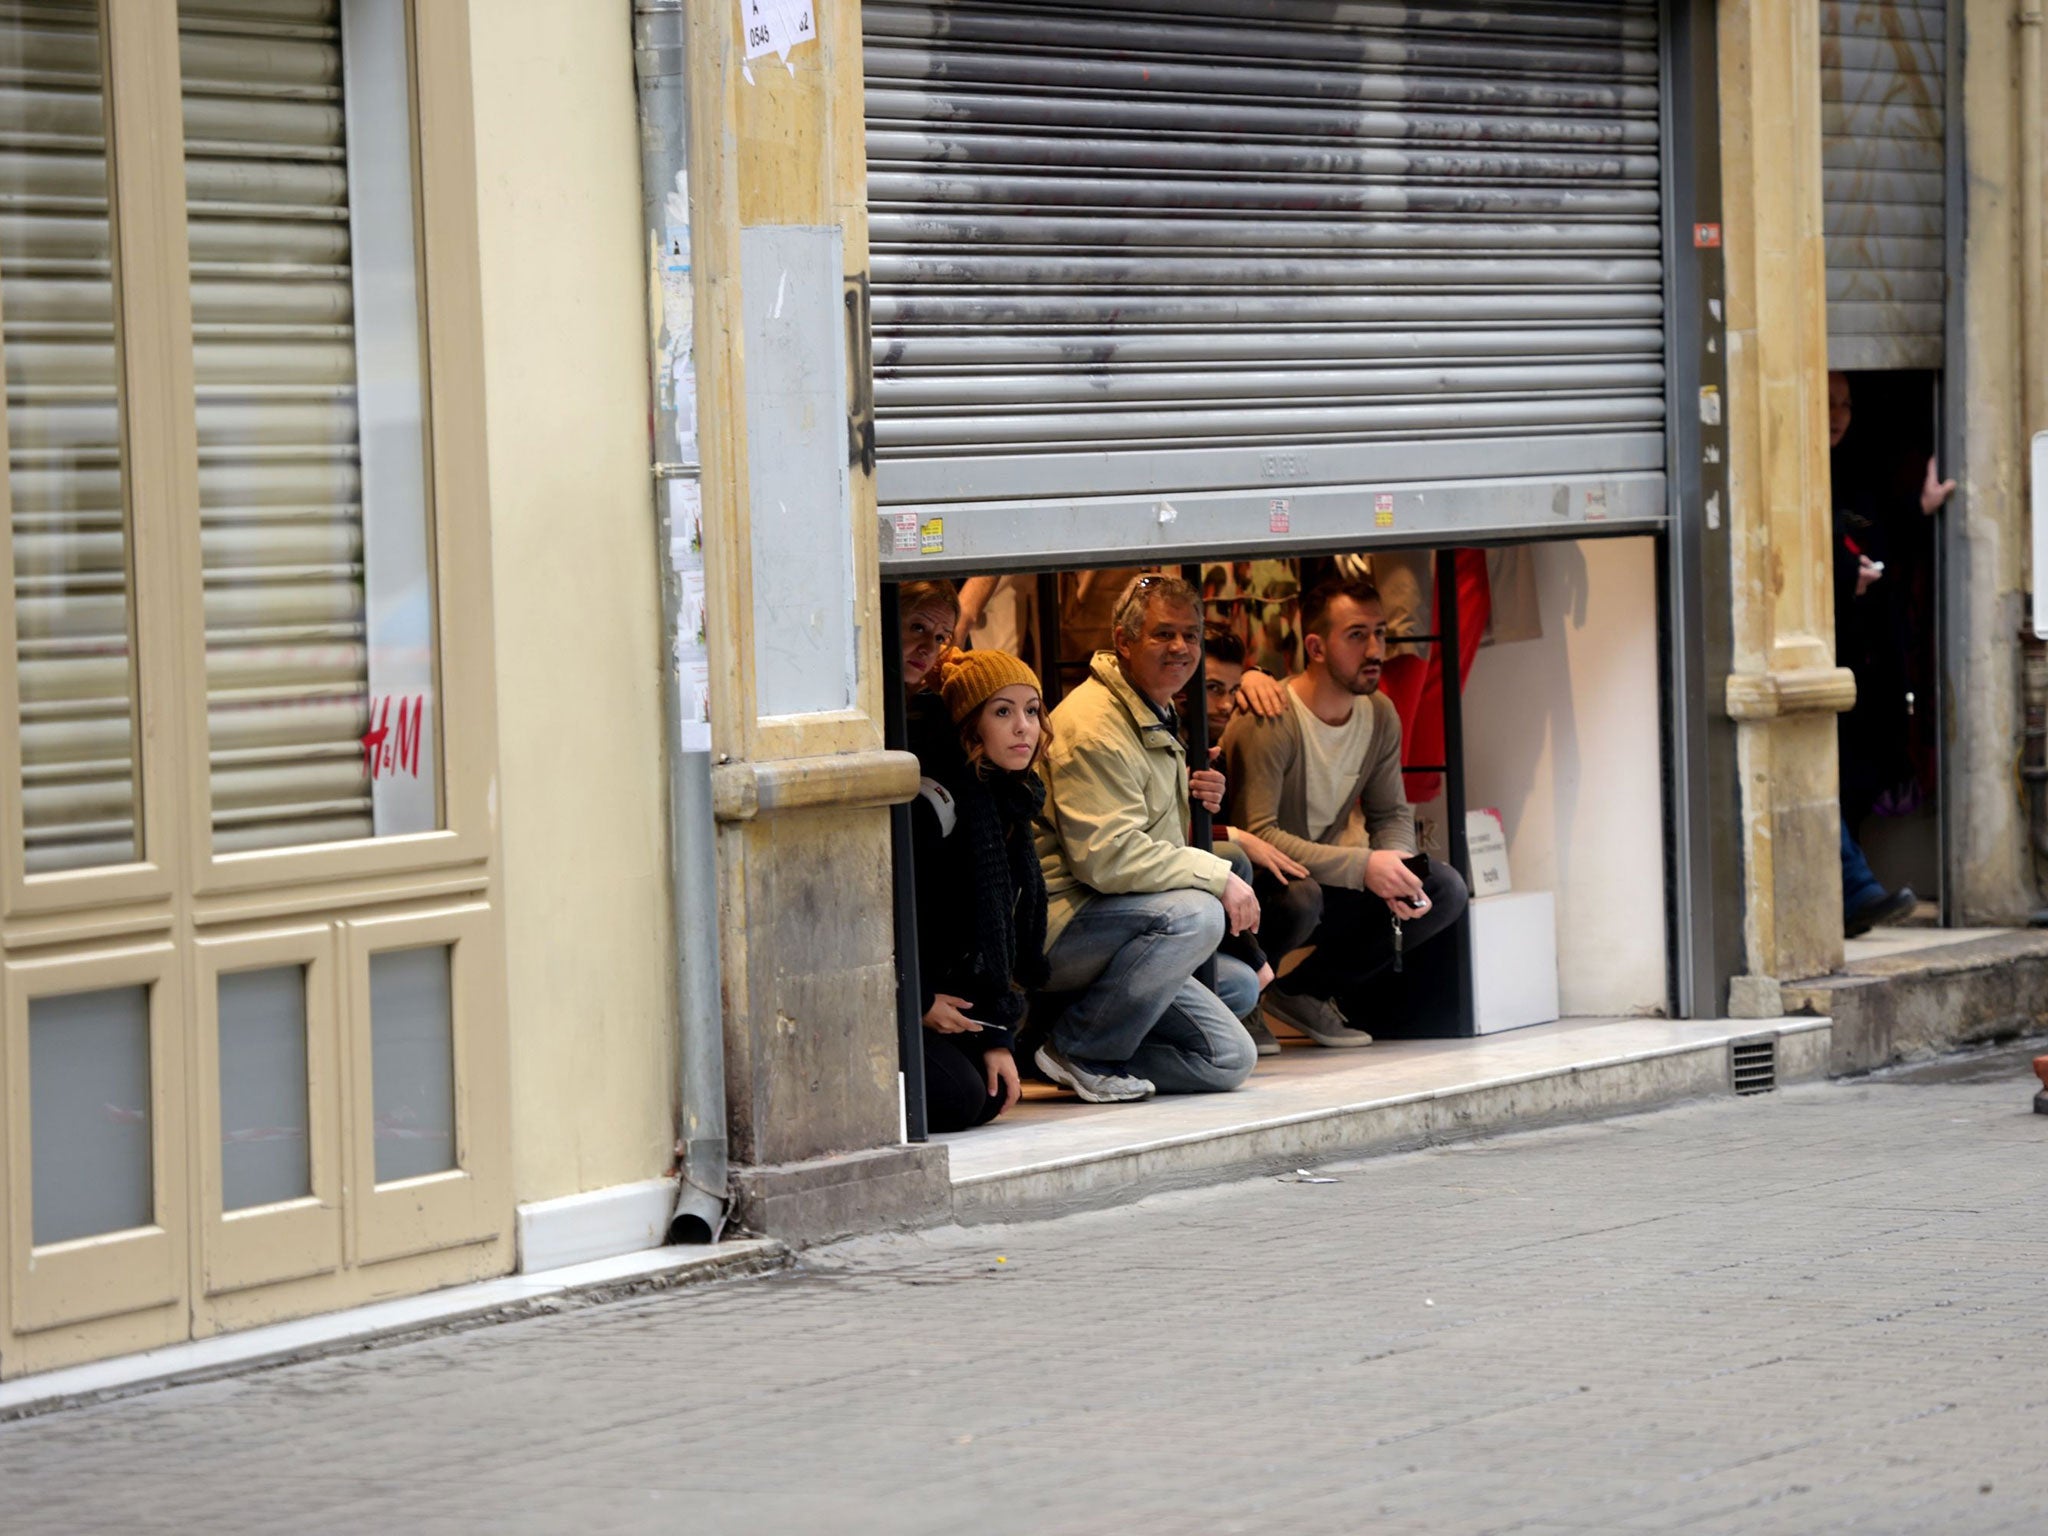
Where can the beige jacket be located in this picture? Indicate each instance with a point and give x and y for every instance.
(1263, 761)
(1116, 803)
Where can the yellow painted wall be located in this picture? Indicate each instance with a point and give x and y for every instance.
(581, 779)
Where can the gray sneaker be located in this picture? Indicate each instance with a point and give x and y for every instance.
(1317, 1017)
(1094, 1082)
(1262, 1037)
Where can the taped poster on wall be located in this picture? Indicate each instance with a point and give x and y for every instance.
(685, 525)
(776, 26)
(693, 730)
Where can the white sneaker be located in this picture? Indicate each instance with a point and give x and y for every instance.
(1096, 1084)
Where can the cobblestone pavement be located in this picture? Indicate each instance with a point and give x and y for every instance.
(1818, 1311)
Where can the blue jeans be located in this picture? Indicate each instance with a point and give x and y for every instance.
(1133, 959)
(1860, 886)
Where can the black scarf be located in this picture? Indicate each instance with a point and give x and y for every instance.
(996, 811)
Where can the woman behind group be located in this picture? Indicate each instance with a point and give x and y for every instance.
(980, 894)
(929, 613)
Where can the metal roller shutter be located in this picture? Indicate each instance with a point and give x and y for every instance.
(1884, 160)
(281, 518)
(1139, 268)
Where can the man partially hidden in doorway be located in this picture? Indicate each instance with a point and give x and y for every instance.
(1133, 911)
(1871, 737)
(1297, 780)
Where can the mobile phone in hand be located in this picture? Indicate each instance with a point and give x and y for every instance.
(1418, 866)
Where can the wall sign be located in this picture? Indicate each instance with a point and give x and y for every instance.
(776, 26)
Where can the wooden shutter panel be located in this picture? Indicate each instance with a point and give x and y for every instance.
(279, 471)
(72, 614)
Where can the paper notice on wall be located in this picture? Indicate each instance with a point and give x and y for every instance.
(685, 525)
(776, 26)
(690, 625)
(693, 678)
(683, 373)
(1486, 844)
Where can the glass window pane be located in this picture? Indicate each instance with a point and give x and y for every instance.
(88, 1114)
(412, 1062)
(299, 180)
(73, 629)
(264, 1151)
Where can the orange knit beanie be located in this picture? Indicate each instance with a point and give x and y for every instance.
(970, 677)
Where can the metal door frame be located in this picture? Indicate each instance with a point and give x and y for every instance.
(1703, 856)
(1951, 567)
(1703, 869)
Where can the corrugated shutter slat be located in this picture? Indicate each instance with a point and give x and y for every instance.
(1111, 241)
(274, 358)
(280, 488)
(72, 612)
(1884, 181)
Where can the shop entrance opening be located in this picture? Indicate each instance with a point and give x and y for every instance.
(1538, 714)
(1888, 488)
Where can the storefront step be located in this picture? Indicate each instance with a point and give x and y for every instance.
(1909, 993)
(384, 1322)
(1053, 1154)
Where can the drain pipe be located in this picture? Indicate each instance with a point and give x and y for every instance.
(659, 63)
(2033, 302)
(2033, 402)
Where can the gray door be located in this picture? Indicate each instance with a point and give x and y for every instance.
(1202, 276)
(1883, 128)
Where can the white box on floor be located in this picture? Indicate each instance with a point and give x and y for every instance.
(1514, 961)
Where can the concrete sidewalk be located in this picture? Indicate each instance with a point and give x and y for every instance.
(1054, 1155)
(1907, 993)
(1806, 1312)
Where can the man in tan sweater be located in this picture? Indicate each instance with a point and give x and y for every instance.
(1300, 780)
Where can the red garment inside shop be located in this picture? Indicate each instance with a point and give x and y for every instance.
(1416, 683)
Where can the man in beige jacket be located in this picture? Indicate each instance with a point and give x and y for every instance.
(1299, 778)
(1133, 911)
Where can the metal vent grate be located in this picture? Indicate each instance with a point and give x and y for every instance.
(1754, 1065)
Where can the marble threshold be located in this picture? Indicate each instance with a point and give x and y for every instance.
(1053, 1152)
(1889, 943)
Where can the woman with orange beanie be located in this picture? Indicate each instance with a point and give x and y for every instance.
(980, 894)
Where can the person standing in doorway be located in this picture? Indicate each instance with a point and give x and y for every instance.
(1872, 737)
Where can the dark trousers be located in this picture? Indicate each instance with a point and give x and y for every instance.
(1860, 886)
(956, 1096)
(1355, 939)
(1288, 914)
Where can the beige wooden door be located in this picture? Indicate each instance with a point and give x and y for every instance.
(252, 1057)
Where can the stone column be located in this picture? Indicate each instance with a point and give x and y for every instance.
(1991, 383)
(778, 200)
(1785, 689)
